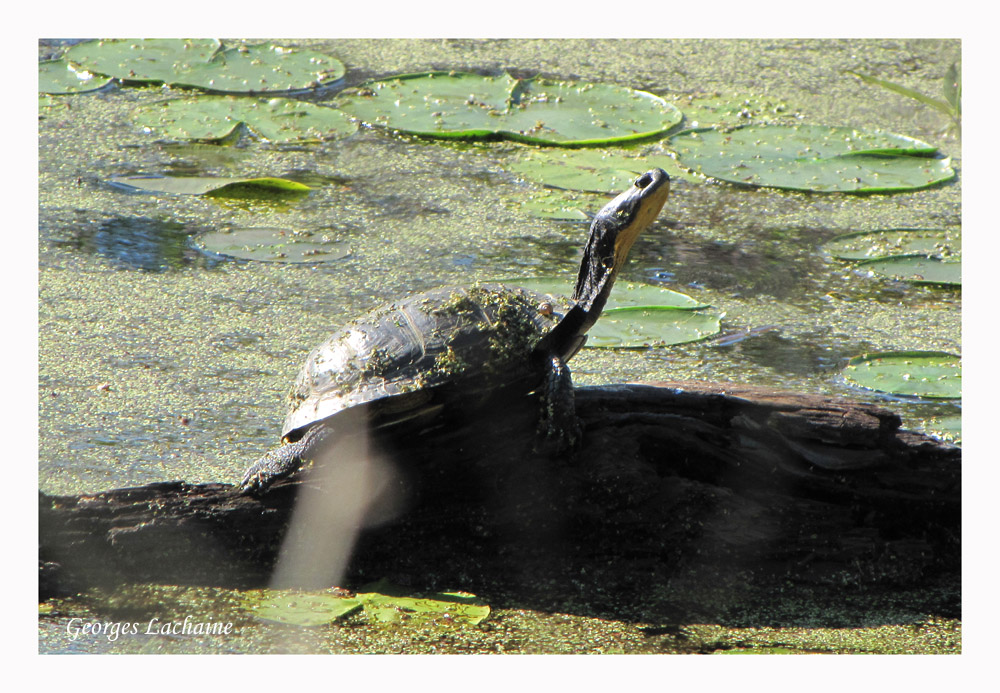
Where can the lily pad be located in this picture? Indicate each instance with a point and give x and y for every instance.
(205, 64)
(306, 609)
(397, 605)
(549, 204)
(729, 110)
(538, 111)
(216, 117)
(591, 170)
(868, 245)
(205, 185)
(381, 601)
(636, 315)
(931, 374)
(632, 328)
(947, 428)
(274, 245)
(142, 60)
(918, 269)
(59, 77)
(624, 295)
(813, 157)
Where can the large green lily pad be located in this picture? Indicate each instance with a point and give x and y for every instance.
(931, 374)
(637, 315)
(813, 157)
(205, 64)
(59, 77)
(591, 170)
(143, 60)
(539, 111)
(552, 204)
(267, 244)
(869, 245)
(918, 269)
(624, 295)
(216, 118)
(730, 110)
(205, 185)
(633, 328)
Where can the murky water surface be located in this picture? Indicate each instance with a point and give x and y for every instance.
(158, 363)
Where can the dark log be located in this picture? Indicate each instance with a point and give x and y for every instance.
(673, 482)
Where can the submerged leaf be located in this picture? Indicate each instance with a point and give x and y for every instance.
(813, 157)
(931, 374)
(539, 111)
(919, 269)
(868, 245)
(274, 245)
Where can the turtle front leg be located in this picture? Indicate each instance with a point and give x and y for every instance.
(558, 421)
(283, 461)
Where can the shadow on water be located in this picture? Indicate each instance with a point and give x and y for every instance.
(132, 243)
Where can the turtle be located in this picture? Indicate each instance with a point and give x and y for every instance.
(460, 344)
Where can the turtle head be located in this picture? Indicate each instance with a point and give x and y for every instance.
(612, 234)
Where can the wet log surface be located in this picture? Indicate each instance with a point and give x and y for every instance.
(678, 486)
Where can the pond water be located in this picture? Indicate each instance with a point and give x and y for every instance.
(157, 362)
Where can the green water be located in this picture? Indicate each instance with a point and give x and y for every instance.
(158, 363)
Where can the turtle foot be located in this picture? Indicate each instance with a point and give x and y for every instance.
(561, 430)
(282, 462)
(262, 474)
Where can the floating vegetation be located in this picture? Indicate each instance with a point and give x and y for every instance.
(813, 157)
(537, 111)
(212, 118)
(930, 374)
(207, 64)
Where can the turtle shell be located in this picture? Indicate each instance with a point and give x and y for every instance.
(476, 338)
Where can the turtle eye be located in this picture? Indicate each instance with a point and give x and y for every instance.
(643, 181)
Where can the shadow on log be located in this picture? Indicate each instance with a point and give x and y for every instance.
(677, 488)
